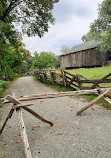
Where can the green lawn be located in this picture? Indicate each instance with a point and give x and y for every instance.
(92, 73)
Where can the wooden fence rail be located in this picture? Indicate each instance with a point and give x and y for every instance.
(70, 80)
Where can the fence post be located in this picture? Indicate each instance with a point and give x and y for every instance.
(45, 76)
(52, 77)
(63, 77)
(39, 74)
(79, 81)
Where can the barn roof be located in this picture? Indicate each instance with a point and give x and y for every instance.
(83, 46)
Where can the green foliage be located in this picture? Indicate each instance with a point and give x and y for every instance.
(12, 61)
(34, 18)
(100, 29)
(3, 85)
(34, 15)
(8, 39)
(57, 61)
(45, 60)
(7, 33)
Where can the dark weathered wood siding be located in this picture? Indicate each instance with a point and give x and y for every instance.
(90, 57)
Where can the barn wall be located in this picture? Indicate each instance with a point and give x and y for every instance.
(85, 58)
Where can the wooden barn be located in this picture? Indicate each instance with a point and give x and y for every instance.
(85, 55)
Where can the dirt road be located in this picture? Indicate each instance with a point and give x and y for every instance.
(85, 136)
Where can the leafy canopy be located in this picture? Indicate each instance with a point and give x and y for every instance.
(12, 61)
(7, 32)
(45, 60)
(100, 29)
(34, 16)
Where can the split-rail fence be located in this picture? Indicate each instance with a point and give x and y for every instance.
(77, 82)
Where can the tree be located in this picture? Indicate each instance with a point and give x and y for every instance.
(8, 39)
(100, 29)
(21, 55)
(44, 60)
(13, 61)
(64, 49)
(33, 15)
(7, 31)
(57, 61)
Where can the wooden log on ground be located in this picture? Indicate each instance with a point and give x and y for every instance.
(15, 101)
(22, 129)
(21, 105)
(9, 116)
(52, 95)
(93, 102)
(37, 116)
(108, 96)
(101, 90)
(24, 135)
(107, 99)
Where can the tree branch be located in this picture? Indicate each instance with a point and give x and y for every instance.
(11, 6)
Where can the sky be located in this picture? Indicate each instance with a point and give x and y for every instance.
(73, 19)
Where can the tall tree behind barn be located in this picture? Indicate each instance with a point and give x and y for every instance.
(85, 55)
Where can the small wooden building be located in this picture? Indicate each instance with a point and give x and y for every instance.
(85, 55)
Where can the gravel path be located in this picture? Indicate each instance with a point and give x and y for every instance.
(85, 136)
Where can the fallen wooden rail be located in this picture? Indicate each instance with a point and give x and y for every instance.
(22, 129)
(94, 101)
(53, 95)
(19, 106)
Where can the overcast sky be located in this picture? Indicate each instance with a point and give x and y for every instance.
(73, 19)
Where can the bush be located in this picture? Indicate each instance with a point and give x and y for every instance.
(3, 86)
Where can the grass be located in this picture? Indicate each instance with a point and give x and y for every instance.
(94, 73)
(55, 86)
(101, 102)
(91, 73)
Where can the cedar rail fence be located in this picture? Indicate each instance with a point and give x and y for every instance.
(64, 78)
